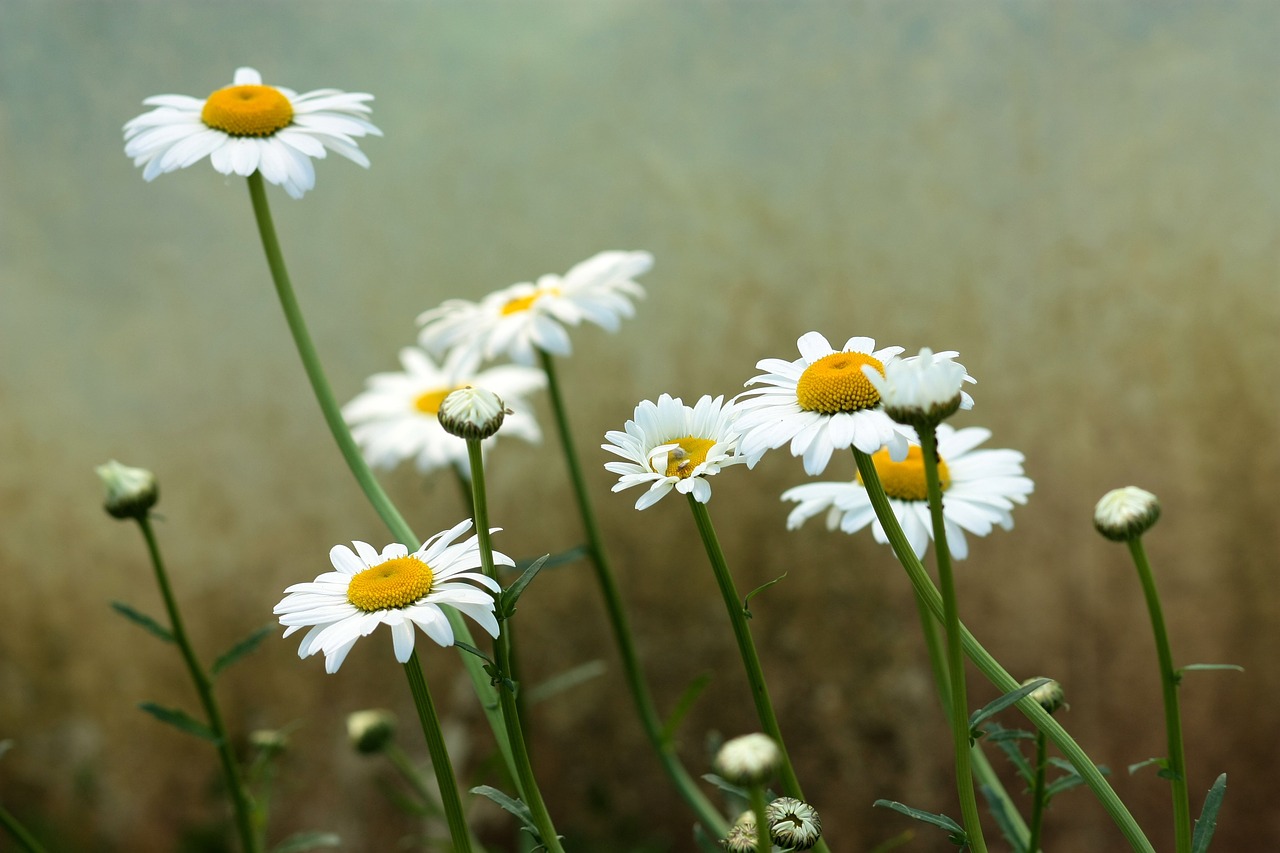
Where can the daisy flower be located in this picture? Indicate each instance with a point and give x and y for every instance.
(980, 488)
(670, 444)
(248, 127)
(397, 416)
(820, 403)
(922, 389)
(526, 317)
(394, 588)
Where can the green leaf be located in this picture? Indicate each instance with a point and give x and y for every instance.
(143, 620)
(240, 649)
(996, 706)
(999, 810)
(512, 805)
(1208, 821)
(1007, 740)
(1200, 667)
(683, 704)
(507, 598)
(941, 821)
(180, 720)
(747, 610)
(564, 681)
(727, 786)
(578, 552)
(1158, 762)
(301, 841)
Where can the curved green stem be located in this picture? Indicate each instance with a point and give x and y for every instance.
(240, 800)
(440, 763)
(25, 839)
(618, 621)
(959, 707)
(1172, 718)
(746, 645)
(1037, 795)
(502, 655)
(332, 412)
(992, 669)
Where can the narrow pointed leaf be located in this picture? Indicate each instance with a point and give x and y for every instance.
(473, 650)
(1158, 762)
(240, 649)
(746, 601)
(1200, 667)
(301, 841)
(143, 621)
(1208, 821)
(997, 705)
(180, 720)
(507, 598)
(727, 786)
(551, 561)
(510, 804)
(999, 810)
(565, 680)
(939, 820)
(683, 704)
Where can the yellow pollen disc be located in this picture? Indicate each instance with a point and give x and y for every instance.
(396, 583)
(524, 303)
(835, 383)
(247, 110)
(905, 480)
(429, 403)
(691, 453)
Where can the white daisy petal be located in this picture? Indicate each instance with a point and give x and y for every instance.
(248, 127)
(980, 487)
(393, 588)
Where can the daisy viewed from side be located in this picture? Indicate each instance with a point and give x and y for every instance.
(394, 588)
(397, 416)
(820, 403)
(668, 444)
(524, 318)
(248, 127)
(979, 490)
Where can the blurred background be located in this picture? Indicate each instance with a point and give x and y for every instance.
(1083, 198)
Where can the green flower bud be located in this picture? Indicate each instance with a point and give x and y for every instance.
(131, 492)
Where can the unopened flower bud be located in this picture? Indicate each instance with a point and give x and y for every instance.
(922, 390)
(269, 740)
(131, 492)
(741, 837)
(472, 413)
(1048, 696)
(749, 759)
(793, 824)
(1125, 514)
(370, 731)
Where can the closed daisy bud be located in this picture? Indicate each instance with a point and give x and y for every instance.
(131, 492)
(749, 759)
(793, 824)
(1125, 514)
(370, 731)
(741, 837)
(472, 413)
(1049, 696)
(921, 391)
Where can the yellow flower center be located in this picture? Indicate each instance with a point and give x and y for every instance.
(835, 383)
(429, 402)
(905, 480)
(691, 453)
(247, 111)
(524, 303)
(396, 583)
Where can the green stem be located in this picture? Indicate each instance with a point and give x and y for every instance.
(204, 687)
(746, 645)
(382, 504)
(400, 761)
(1172, 718)
(25, 839)
(764, 840)
(1038, 802)
(618, 621)
(982, 769)
(992, 669)
(440, 762)
(959, 707)
(532, 796)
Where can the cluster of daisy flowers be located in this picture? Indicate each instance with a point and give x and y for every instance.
(828, 400)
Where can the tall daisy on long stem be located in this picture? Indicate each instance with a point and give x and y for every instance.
(1123, 515)
(475, 414)
(131, 493)
(670, 445)
(249, 144)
